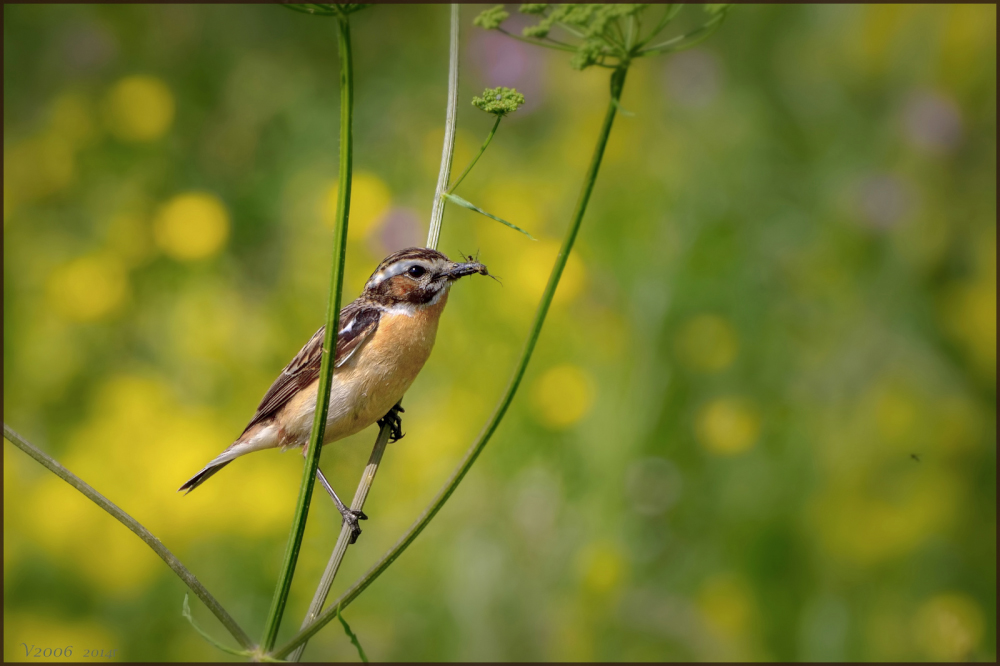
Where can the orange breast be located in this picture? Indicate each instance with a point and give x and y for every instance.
(387, 365)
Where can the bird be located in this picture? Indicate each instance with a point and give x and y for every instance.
(385, 336)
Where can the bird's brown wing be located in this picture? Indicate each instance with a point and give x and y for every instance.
(357, 323)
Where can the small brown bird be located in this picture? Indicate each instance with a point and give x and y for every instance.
(385, 337)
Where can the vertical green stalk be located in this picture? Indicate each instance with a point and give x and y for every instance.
(329, 340)
(617, 82)
(368, 477)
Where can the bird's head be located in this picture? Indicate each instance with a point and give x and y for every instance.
(416, 276)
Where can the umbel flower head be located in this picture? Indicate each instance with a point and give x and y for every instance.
(341, 10)
(499, 101)
(607, 35)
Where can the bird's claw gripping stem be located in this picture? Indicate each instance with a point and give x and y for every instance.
(351, 517)
(394, 421)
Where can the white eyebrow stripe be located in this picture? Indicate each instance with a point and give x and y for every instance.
(394, 270)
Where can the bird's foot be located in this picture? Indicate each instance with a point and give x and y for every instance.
(351, 517)
(394, 421)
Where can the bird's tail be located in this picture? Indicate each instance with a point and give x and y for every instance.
(202, 476)
(254, 438)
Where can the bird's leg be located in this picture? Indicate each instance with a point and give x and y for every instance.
(351, 516)
(394, 421)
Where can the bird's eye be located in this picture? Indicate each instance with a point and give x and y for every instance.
(416, 271)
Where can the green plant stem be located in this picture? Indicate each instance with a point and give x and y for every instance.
(329, 340)
(478, 155)
(617, 81)
(137, 528)
(448, 150)
(368, 476)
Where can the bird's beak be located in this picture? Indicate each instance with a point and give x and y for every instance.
(456, 270)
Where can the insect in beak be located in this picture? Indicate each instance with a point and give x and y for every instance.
(460, 270)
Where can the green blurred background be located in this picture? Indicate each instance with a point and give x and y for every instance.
(760, 422)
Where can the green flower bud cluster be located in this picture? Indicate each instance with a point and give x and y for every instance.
(499, 101)
(490, 19)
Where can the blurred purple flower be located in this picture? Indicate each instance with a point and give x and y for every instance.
(401, 228)
(692, 78)
(932, 122)
(883, 200)
(86, 47)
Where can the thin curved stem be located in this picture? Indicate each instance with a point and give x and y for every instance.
(571, 30)
(329, 341)
(668, 15)
(556, 42)
(448, 150)
(137, 528)
(559, 46)
(478, 155)
(617, 81)
(696, 36)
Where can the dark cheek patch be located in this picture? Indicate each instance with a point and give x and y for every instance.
(422, 295)
(401, 289)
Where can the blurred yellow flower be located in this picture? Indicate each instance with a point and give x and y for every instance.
(957, 424)
(727, 426)
(707, 343)
(123, 566)
(562, 396)
(88, 287)
(968, 35)
(370, 199)
(895, 415)
(968, 313)
(533, 266)
(193, 225)
(60, 517)
(867, 528)
(949, 627)
(727, 604)
(433, 142)
(602, 567)
(139, 108)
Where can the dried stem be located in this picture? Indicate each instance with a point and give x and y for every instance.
(344, 540)
(451, 117)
